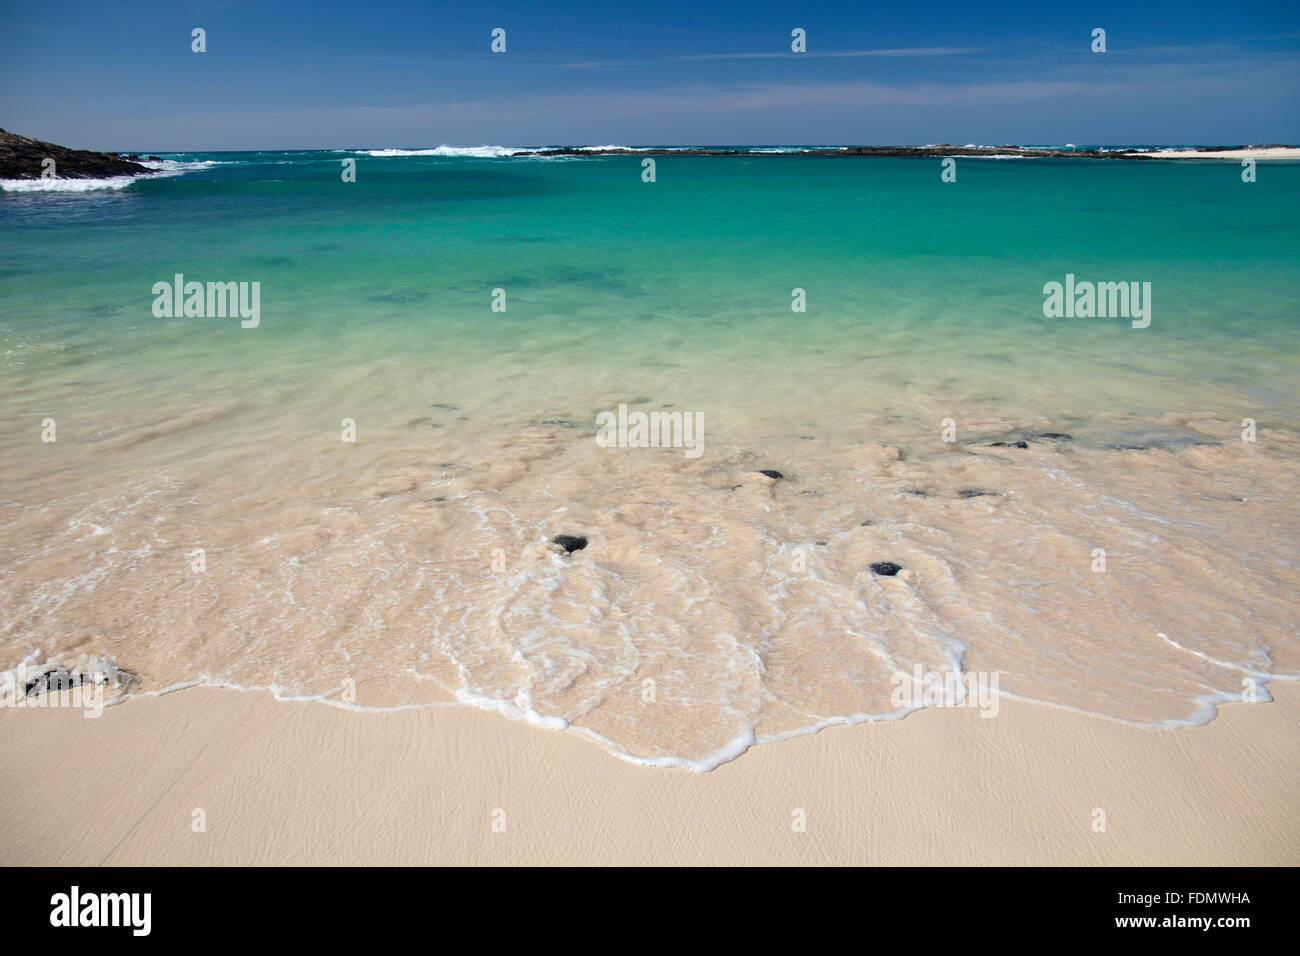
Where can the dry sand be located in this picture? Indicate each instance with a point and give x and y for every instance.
(281, 782)
(1251, 152)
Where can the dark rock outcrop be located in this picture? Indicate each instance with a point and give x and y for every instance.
(570, 542)
(886, 568)
(23, 158)
(771, 473)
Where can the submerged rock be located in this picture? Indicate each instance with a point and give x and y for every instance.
(50, 677)
(1009, 444)
(976, 493)
(771, 473)
(570, 542)
(886, 568)
(1161, 444)
(44, 682)
(54, 680)
(1056, 436)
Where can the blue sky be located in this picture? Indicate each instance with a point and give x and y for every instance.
(333, 74)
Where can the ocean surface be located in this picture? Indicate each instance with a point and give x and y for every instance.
(1141, 566)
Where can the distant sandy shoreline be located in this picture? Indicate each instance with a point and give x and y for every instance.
(1247, 152)
(216, 776)
(23, 159)
(941, 149)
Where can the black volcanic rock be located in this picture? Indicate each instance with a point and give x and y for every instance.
(22, 158)
(771, 473)
(1009, 444)
(55, 680)
(886, 568)
(570, 542)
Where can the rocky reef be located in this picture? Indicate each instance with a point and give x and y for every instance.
(24, 158)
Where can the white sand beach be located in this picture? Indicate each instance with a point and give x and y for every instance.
(1249, 152)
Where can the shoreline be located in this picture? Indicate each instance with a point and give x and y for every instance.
(22, 158)
(76, 687)
(280, 782)
(942, 149)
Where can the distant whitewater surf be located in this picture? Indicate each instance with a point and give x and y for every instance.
(166, 167)
(65, 185)
(473, 152)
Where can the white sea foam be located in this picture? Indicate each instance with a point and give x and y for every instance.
(161, 167)
(1205, 708)
(65, 185)
(474, 152)
(517, 710)
(174, 167)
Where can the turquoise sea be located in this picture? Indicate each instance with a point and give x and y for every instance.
(374, 560)
(890, 257)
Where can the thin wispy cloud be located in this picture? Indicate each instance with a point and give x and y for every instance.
(784, 55)
(859, 112)
(771, 55)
